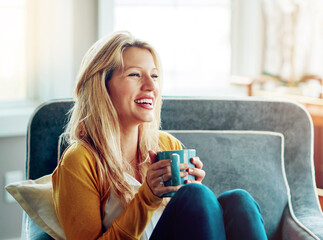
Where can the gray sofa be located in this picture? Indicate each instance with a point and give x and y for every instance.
(263, 146)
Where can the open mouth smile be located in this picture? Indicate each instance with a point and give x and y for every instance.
(146, 103)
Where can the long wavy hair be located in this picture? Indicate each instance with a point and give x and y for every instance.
(94, 120)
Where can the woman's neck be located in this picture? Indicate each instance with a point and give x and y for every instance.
(129, 143)
(129, 148)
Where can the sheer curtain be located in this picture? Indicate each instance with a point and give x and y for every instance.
(293, 39)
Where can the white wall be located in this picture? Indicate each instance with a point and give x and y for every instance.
(12, 158)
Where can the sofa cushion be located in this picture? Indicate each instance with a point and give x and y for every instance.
(250, 160)
(35, 197)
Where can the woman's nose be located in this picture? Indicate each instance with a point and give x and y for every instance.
(149, 83)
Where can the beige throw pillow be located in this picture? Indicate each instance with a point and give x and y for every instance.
(35, 197)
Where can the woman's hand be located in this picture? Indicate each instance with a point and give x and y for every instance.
(160, 172)
(197, 171)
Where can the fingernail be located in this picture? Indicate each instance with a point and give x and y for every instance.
(190, 170)
(187, 181)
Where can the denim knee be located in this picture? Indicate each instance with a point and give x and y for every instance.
(195, 188)
(242, 216)
(196, 213)
(199, 196)
(239, 202)
(236, 195)
(196, 192)
(193, 213)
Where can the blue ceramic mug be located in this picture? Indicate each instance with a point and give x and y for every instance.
(176, 157)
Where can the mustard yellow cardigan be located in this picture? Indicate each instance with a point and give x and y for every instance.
(77, 202)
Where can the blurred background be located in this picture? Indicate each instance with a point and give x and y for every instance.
(210, 48)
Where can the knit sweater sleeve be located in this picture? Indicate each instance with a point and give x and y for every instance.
(168, 142)
(76, 194)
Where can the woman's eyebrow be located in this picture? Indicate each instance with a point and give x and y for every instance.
(128, 67)
(132, 67)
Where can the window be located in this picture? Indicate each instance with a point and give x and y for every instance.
(36, 58)
(192, 38)
(13, 50)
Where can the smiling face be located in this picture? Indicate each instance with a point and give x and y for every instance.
(135, 88)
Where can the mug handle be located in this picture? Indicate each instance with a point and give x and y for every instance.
(174, 163)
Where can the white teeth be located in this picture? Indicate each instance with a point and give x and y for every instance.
(149, 101)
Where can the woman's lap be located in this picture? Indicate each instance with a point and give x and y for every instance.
(195, 213)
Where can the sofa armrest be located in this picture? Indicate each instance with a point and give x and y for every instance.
(31, 231)
(292, 229)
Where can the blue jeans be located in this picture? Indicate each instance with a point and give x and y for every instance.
(195, 213)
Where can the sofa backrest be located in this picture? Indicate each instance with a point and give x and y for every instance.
(248, 114)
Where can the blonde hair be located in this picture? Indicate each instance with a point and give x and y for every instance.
(94, 121)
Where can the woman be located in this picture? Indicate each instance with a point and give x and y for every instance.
(108, 184)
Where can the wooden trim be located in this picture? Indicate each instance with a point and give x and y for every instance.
(320, 193)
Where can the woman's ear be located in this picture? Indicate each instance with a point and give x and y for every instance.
(108, 76)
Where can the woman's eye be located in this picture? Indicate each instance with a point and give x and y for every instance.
(154, 76)
(134, 75)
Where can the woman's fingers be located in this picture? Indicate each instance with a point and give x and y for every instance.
(183, 166)
(153, 156)
(162, 190)
(172, 188)
(192, 181)
(157, 185)
(167, 176)
(198, 173)
(163, 167)
(160, 172)
(197, 162)
(160, 164)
